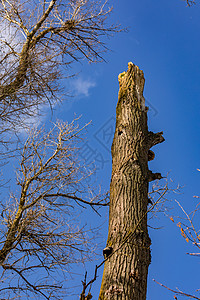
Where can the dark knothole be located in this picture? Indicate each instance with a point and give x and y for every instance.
(107, 251)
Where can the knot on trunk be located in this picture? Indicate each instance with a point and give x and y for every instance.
(107, 251)
(153, 176)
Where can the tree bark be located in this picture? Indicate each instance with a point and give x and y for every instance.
(127, 254)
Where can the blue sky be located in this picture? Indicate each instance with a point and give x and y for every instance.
(164, 41)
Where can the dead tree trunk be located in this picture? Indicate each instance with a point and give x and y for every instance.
(127, 253)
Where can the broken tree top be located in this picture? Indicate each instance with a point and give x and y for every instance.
(134, 77)
(127, 252)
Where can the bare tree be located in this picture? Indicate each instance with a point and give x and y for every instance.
(39, 238)
(127, 251)
(38, 40)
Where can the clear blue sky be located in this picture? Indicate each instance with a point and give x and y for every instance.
(164, 41)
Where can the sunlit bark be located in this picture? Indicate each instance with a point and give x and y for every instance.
(128, 246)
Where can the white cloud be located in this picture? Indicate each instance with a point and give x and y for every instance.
(35, 120)
(81, 86)
(11, 35)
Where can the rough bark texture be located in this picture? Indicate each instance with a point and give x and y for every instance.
(127, 252)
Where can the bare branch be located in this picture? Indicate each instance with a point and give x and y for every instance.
(39, 234)
(190, 2)
(60, 32)
(177, 292)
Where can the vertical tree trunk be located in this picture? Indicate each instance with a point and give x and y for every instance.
(128, 247)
